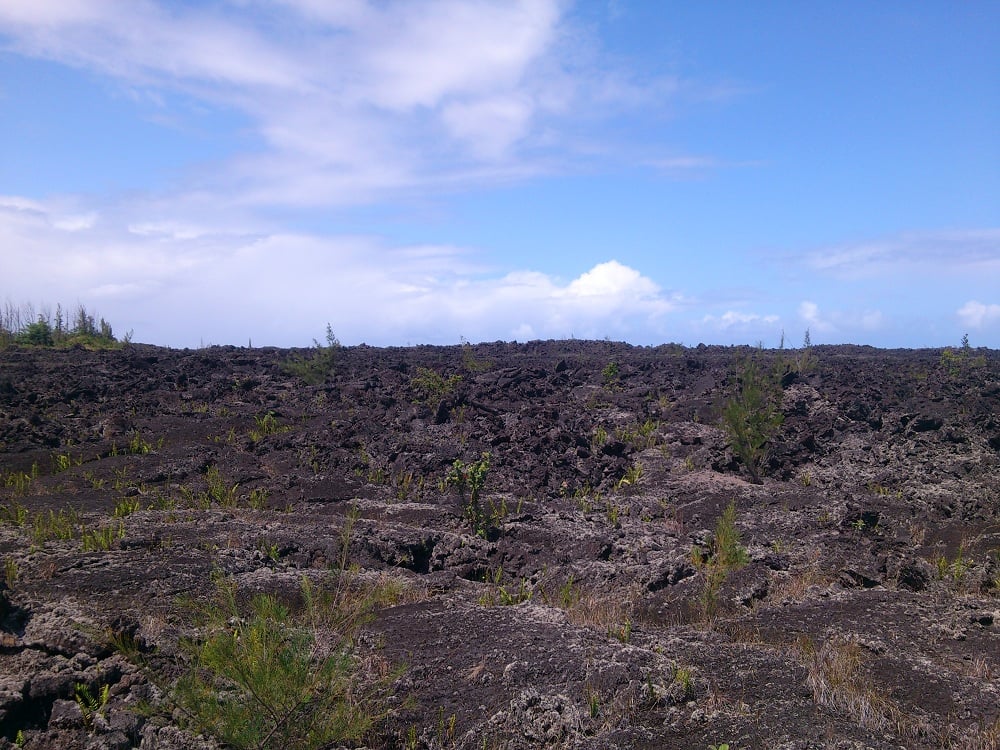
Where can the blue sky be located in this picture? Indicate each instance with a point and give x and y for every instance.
(423, 171)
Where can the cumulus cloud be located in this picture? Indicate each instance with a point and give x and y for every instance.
(182, 285)
(976, 314)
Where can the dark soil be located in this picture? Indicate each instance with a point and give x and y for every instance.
(580, 613)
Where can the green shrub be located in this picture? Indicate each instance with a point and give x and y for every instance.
(315, 368)
(20, 481)
(258, 678)
(610, 374)
(431, 386)
(15, 514)
(51, 525)
(47, 330)
(727, 554)
(38, 333)
(126, 506)
(101, 539)
(471, 362)
(751, 417)
(91, 703)
(498, 593)
(264, 425)
(469, 479)
(219, 490)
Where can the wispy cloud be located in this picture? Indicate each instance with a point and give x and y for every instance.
(732, 320)
(973, 250)
(688, 166)
(356, 99)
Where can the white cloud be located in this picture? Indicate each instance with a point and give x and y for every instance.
(612, 279)
(179, 285)
(976, 314)
(937, 253)
(691, 165)
(145, 43)
(30, 13)
(847, 323)
(490, 125)
(20, 204)
(355, 100)
(734, 320)
(809, 312)
(420, 53)
(170, 230)
(76, 222)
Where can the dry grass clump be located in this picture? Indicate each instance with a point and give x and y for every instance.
(613, 613)
(795, 585)
(601, 612)
(838, 681)
(987, 738)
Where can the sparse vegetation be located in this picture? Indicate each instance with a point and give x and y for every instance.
(126, 507)
(139, 446)
(610, 375)
(219, 490)
(631, 476)
(24, 326)
(469, 479)
(471, 362)
(431, 386)
(752, 417)
(499, 593)
(803, 361)
(955, 569)
(315, 367)
(63, 462)
(257, 499)
(14, 513)
(728, 552)
(600, 438)
(50, 525)
(725, 555)
(20, 481)
(11, 572)
(955, 361)
(265, 425)
(103, 538)
(262, 675)
(91, 703)
(640, 436)
(628, 622)
(567, 596)
(839, 683)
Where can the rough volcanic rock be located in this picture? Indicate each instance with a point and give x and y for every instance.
(580, 606)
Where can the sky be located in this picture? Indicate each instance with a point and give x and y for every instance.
(433, 171)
